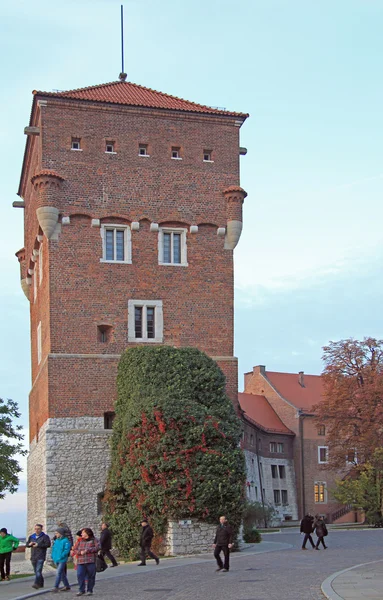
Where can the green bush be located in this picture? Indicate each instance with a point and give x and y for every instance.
(175, 444)
(251, 535)
(257, 515)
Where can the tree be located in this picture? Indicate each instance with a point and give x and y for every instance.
(352, 407)
(10, 446)
(363, 488)
(175, 444)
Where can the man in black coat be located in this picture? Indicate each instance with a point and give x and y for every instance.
(307, 528)
(106, 543)
(223, 541)
(39, 542)
(145, 543)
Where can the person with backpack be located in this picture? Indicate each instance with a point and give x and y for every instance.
(8, 544)
(321, 531)
(60, 554)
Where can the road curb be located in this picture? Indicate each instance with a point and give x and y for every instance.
(326, 586)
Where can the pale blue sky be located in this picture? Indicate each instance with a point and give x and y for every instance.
(308, 266)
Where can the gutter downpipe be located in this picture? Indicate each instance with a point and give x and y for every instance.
(260, 478)
(302, 460)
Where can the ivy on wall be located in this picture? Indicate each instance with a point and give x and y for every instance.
(175, 444)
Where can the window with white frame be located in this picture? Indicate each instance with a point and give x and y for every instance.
(116, 243)
(320, 492)
(207, 156)
(176, 153)
(39, 345)
(172, 246)
(40, 264)
(322, 454)
(280, 448)
(143, 150)
(76, 144)
(109, 147)
(145, 321)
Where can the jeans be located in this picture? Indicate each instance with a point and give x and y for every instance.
(226, 553)
(38, 567)
(86, 572)
(61, 575)
(5, 559)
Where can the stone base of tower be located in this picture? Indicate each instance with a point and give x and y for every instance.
(67, 470)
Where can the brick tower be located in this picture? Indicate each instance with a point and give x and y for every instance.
(132, 211)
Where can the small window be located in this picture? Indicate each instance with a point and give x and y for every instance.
(109, 147)
(273, 447)
(108, 419)
(76, 144)
(261, 468)
(143, 150)
(176, 152)
(100, 503)
(282, 472)
(35, 284)
(145, 321)
(274, 471)
(251, 440)
(284, 497)
(40, 264)
(207, 156)
(280, 448)
(172, 247)
(39, 343)
(322, 454)
(321, 430)
(104, 333)
(352, 457)
(320, 492)
(277, 496)
(116, 243)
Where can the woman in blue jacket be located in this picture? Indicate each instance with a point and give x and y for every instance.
(60, 553)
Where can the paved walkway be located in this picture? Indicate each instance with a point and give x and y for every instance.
(20, 589)
(363, 582)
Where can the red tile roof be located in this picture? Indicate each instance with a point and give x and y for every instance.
(287, 384)
(258, 410)
(131, 94)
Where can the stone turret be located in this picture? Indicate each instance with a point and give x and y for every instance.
(235, 197)
(47, 184)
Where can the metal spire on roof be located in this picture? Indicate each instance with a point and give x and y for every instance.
(122, 76)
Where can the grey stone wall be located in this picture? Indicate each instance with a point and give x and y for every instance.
(67, 472)
(190, 538)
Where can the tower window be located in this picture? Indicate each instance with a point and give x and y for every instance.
(39, 342)
(109, 147)
(104, 333)
(172, 247)
(116, 243)
(76, 144)
(143, 150)
(320, 492)
(207, 156)
(108, 419)
(176, 153)
(145, 321)
(322, 430)
(322, 454)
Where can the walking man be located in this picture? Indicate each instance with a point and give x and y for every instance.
(8, 544)
(39, 542)
(106, 543)
(223, 541)
(307, 528)
(145, 543)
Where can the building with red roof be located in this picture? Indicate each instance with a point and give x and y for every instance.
(277, 400)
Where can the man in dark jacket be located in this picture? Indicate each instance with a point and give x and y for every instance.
(39, 542)
(145, 543)
(223, 541)
(307, 528)
(106, 543)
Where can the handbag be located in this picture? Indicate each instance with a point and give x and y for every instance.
(100, 563)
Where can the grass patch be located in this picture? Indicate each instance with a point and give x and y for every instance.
(21, 575)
